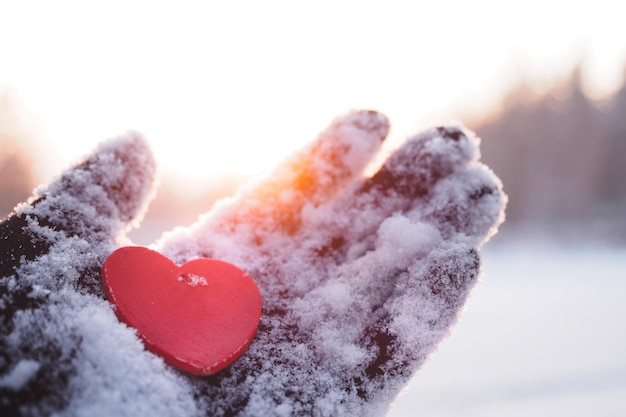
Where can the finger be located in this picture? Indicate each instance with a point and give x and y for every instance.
(90, 203)
(427, 299)
(114, 183)
(53, 316)
(423, 160)
(315, 174)
(406, 180)
(466, 208)
(275, 205)
(408, 284)
(469, 203)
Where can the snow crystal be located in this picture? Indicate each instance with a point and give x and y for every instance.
(361, 277)
(284, 410)
(193, 280)
(20, 375)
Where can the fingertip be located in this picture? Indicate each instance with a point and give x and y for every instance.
(113, 183)
(471, 203)
(315, 174)
(425, 158)
(126, 169)
(347, 146)
(370, 123)
(94, 201)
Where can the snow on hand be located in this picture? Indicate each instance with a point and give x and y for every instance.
(360, 277)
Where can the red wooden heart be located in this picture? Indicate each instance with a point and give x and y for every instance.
(198, 317)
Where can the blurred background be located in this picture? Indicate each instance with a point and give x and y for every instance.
(225, 91)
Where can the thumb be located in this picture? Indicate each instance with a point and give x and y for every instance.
(93, 201)
(51, 252)
(113, 184)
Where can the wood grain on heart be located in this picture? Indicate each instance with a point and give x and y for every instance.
(199, 317)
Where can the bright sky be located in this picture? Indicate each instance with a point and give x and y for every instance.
(234, 86)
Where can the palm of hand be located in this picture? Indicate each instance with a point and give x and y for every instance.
(360, 278)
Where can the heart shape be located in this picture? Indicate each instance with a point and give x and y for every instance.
(198, 317)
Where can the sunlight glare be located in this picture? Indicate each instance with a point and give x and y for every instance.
(234, 88)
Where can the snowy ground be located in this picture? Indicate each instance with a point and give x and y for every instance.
(542, 335)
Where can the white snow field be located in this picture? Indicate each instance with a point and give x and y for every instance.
(543, 334)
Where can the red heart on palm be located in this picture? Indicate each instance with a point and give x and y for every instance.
(198, 317)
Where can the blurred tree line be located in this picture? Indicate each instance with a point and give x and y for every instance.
(561, 157)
